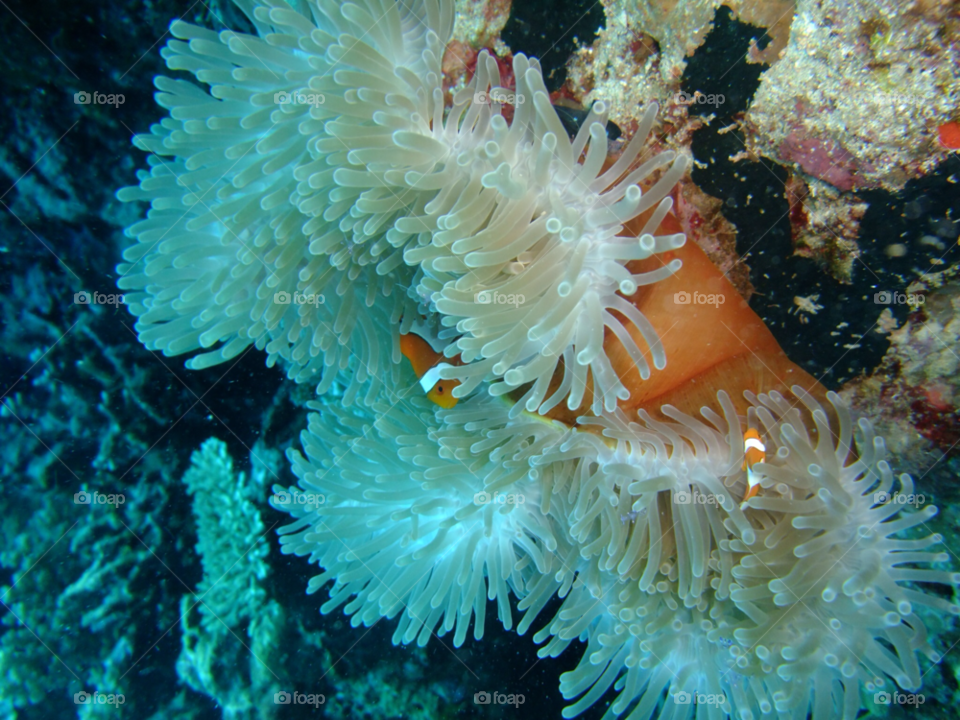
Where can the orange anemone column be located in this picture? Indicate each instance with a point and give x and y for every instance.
(713, 340)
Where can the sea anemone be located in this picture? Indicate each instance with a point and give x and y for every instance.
(322, 161)
(224, 259)
(405, 512)
(746, 606)
(673, 586)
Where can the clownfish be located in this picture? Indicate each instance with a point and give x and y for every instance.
(427, 364)
(754, 452)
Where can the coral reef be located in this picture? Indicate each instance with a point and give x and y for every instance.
(644, 48)
(825, 225)
(74, 566)
(233, 550)
(228, 526)
(915, 391)
(860, 92)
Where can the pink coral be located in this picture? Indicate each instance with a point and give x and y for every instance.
(824, 159)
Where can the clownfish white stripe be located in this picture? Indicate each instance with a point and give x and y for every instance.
(754, 444)
(432, 376)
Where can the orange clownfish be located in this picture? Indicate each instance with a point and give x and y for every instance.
(754, 452)
(427, 364)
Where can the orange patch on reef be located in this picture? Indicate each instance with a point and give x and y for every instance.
(949, 135)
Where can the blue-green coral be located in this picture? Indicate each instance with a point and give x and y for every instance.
(215, 660)
(230, 538)
(71, 612)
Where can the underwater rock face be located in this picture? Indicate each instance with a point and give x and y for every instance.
(860, 92)
(555, 357)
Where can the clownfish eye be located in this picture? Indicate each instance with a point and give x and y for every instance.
(440, 388)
